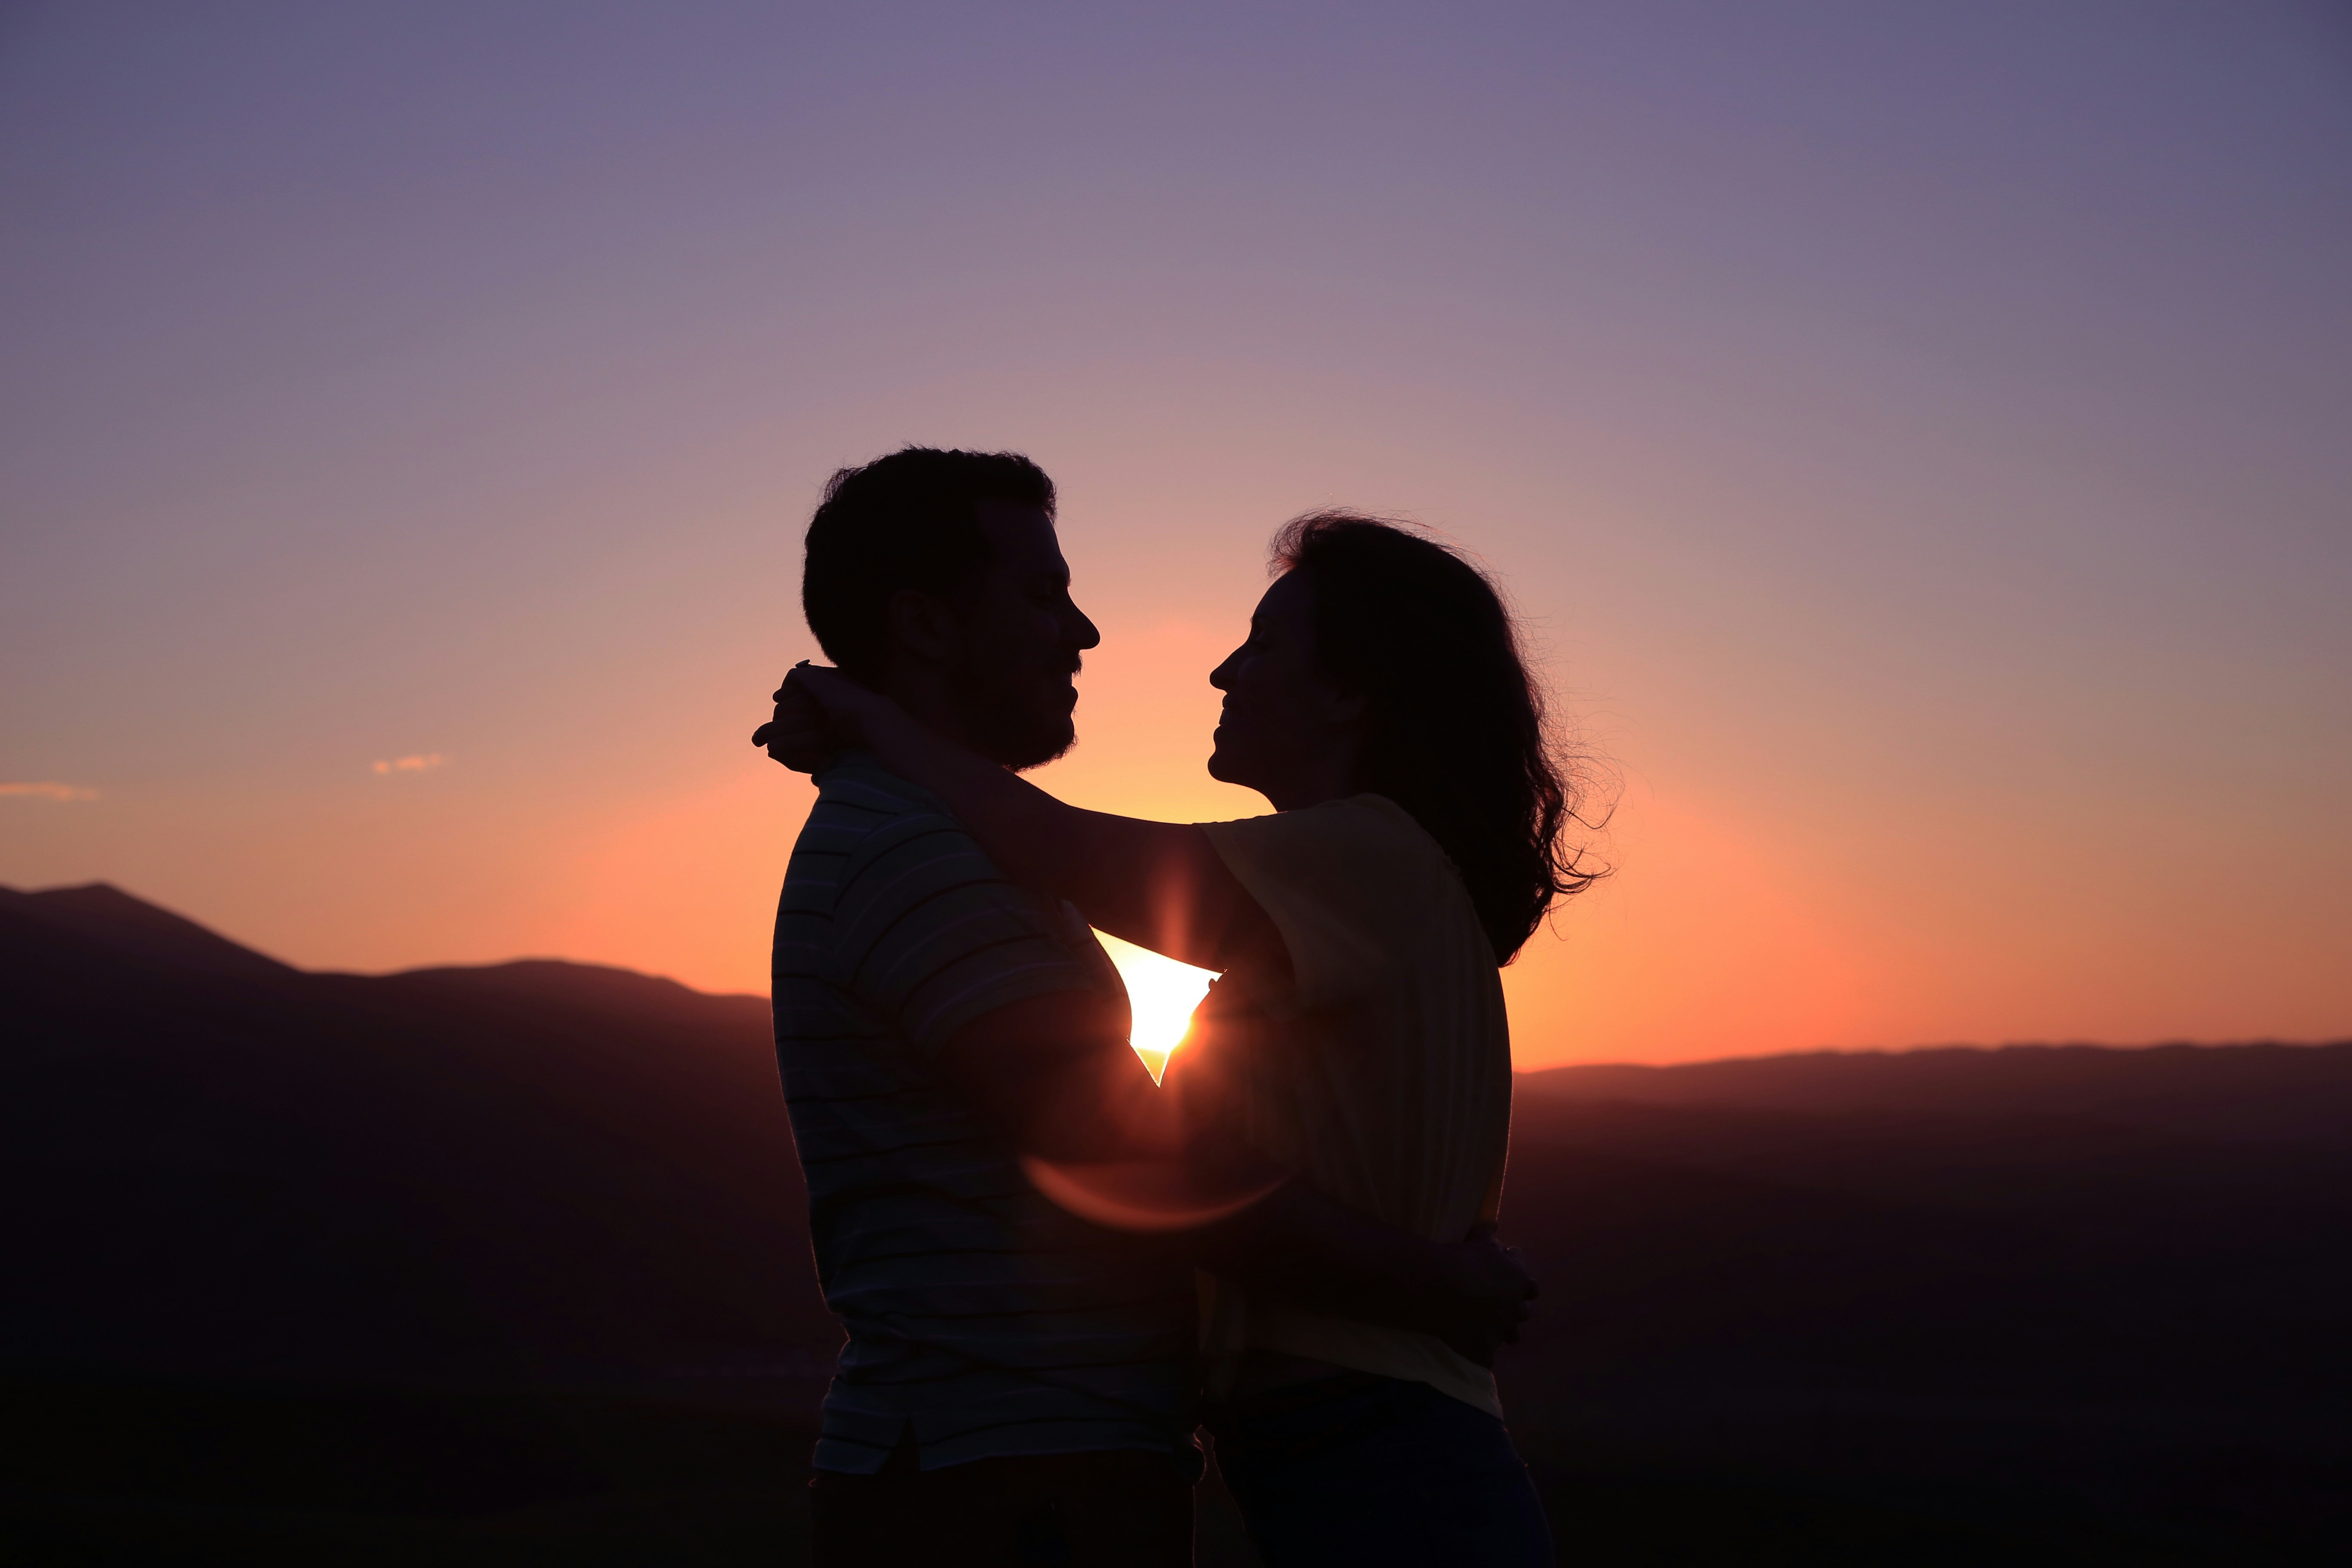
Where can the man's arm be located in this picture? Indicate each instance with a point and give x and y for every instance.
(1472, 1293)
(1103, 1142)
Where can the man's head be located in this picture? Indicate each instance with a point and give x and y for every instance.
(936, 576)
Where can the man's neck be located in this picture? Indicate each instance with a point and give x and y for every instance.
(923, 696)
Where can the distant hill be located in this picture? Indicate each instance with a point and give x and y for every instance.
(2036, 1304)
(515, 1174)
(2264, 1091)
(509, 1264)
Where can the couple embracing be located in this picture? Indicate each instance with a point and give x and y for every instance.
(1051, 1270)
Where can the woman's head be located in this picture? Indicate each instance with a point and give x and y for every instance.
(1380, 661)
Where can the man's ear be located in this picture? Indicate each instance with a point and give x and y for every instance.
(1346, 706)
(921, 624)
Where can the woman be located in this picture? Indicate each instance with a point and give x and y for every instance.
(1357, 1031)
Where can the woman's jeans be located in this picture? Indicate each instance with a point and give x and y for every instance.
(1368, 1471)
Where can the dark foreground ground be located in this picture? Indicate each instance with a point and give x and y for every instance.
(508, 1266)
(243, 1474)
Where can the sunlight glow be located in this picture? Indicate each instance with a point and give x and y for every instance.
(1163, 994)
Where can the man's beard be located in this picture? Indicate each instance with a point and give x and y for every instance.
(1000, 712)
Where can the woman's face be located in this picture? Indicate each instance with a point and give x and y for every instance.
(1284, 728)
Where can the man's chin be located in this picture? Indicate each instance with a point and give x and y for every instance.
(1014, 724)
(1034, 751)
(1056, 755)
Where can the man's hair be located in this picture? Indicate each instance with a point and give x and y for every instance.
(907, 520)
(1458, 735)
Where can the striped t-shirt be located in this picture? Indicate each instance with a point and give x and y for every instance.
(992, 1322)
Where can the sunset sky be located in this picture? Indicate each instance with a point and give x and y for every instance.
(1920, 438)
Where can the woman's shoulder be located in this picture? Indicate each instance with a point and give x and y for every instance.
(1362, 833)
(1356, 847)
(1366, 901)
(1380, 824)
(1378, 814)
(1347, 817)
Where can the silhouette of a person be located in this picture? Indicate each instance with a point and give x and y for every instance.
(1017, 1377)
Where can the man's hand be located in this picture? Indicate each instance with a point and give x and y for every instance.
(1472, 1295)
(1489, 1296)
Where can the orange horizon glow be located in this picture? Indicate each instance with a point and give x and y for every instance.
(1708, 940)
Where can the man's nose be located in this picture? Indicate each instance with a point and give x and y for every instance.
(1083, 631)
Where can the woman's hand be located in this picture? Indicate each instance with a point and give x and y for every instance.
(845, 700)
(817, 718)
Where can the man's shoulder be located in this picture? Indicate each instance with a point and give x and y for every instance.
(855, 785)
(876, 841)
(863, 808)
(863, 812)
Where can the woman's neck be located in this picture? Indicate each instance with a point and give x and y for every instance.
(1329, 777)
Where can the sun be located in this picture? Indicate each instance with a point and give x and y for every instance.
(1163, 994)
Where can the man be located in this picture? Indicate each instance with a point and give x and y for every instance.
(1018, 1380)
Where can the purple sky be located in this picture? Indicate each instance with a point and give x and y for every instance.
(1918, 436)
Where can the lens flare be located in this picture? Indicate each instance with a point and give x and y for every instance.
(1145, 1197)
(1162, 994)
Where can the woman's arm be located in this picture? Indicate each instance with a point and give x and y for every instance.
(1160, 885)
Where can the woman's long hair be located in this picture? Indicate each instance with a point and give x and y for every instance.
(1457, 735)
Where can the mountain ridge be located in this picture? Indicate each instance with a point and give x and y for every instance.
(108, 914)
(511, 1238)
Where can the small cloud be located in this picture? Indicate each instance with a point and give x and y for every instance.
(46, 789)
(418, 765)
